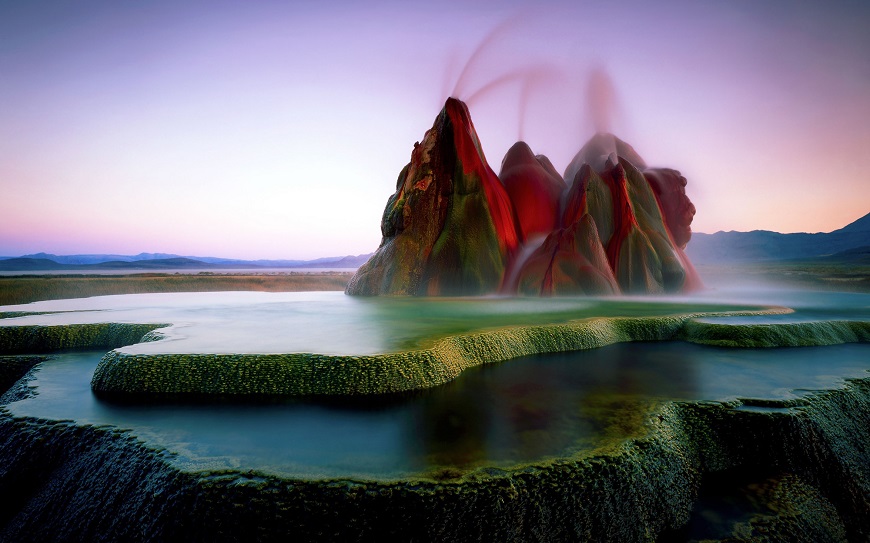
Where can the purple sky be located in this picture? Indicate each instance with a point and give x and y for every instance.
(270, 130)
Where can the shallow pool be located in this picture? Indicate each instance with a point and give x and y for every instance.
(522, 410)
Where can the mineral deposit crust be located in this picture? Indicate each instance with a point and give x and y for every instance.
(453, 227)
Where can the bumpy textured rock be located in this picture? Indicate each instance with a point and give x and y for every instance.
(454, 228)
(66, 482)
(449, 229)
(678, 211)
(570, 261)
(535, 189)
(123, 374)
(45, 339)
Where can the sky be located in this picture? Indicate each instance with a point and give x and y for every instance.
(278, 129)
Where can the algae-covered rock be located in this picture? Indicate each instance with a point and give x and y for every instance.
(61, 481)
(806, 456)
(571, 261)
(43, 339)
(13, 368)
(678, 211)
(454, 228)
(305, 374)
(449, 229)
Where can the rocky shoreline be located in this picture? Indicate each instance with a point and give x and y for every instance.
(805, 458)
(62, 481)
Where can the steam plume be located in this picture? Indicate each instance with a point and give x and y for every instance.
(485, 43)
(600, 99)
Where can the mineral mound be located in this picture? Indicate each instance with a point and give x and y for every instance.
(453, 227)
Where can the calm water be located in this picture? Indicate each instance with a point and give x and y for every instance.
(520, 410)
(328, 322)
(333, 323)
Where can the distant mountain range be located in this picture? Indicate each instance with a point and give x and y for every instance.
(849, 244)
(162, 261)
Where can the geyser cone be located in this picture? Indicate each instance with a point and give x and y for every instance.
(535, 189)
(627, 208)
(571, 261)
(449, 228)
(601, 147)
(669, 187)
(453, 228)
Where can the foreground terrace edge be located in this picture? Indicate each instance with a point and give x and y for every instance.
(635, 489)
(307, 374)
(105, 485)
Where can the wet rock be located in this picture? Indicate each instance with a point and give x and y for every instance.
(44, 339)
(14, 370)
(678, 211)
(454, 228)
(449, 228)
(303, 374)
(61, 481)
(535, 190)
(571, 261)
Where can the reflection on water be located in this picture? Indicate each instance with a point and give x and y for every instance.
(549, 405)
(521, 410)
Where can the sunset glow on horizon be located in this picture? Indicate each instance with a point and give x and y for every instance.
(271, 130)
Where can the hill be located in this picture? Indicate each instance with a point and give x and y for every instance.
(45, 264)
(763, 245)
(160, 261)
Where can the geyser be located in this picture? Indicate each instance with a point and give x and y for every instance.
(453, 227)
(449, 229)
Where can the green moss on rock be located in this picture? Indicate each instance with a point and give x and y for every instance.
(793, 334)
(304, 374)
(43, 339)
(82, 483)
(13, 368)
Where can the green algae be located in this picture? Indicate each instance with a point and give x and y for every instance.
(62, 481)
(760, 506)
(306, 374)
(104, 482)
(795, 334)
(42, 339)
(13, 368)
(798, 511)
(436, 354)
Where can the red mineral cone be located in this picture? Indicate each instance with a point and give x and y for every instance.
(449, 229)
(453, 228)
(669, 187)
(535, 190)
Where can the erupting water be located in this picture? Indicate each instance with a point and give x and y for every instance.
(455, 228)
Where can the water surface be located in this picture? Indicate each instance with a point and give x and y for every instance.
(330, 322)
(522, 410)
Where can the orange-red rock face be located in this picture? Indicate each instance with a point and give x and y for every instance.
(455, 228)
(449, 229)
(670, 190)
(571, 261)
(535, 190)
